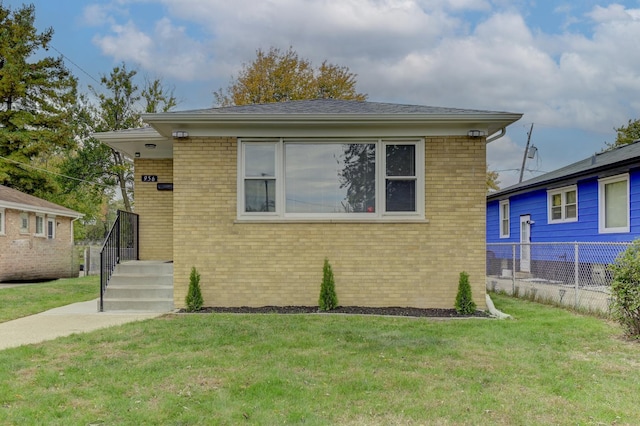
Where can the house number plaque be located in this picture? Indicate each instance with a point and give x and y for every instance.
(149, 178)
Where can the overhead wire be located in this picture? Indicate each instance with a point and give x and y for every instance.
(54, 173)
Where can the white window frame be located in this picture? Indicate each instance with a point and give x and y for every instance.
(503, 219)
(51, 220)
(2, 220)
(563, 204)
(40, 218)
(24, 218)
(602, 207)
(378, 215)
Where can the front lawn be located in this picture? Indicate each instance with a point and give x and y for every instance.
(17, 302)
(547, 366)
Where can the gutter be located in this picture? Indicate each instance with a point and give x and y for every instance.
(503, 132)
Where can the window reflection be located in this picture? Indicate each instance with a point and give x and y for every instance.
(330, 178)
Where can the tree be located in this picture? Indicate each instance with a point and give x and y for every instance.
(493, 184)
(464, 303)
(328, 299)
(278, 76)
(626, 134)
(37, 97)
(119, 108)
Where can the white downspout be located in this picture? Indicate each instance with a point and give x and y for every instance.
(493, 311)
(503, 132)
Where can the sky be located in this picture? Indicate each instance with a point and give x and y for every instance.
(571, 67)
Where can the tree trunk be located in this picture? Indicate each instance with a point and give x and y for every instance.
(122, 179)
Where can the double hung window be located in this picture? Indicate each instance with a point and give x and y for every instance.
(613, 204)
(24, 223)
(51, 228)
(331, 179)
(39, 225)
(505, 223)
(563, 205)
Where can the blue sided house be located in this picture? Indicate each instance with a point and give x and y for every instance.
(593, 200)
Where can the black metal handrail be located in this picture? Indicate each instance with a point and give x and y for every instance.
(121, 244)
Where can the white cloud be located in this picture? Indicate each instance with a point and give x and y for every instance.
(420, 51)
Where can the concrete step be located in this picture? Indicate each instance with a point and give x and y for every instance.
(134, 291)
(139, 305)
(119, 279)
(143, 286)
(139, 267)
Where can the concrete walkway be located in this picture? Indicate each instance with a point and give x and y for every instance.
(63, 321)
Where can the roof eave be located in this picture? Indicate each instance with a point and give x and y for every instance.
(37, 209)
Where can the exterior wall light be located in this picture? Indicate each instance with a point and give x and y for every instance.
(180, 134)
(137, 155)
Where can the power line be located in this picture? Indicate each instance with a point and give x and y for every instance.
(76, 65)
(54, 173)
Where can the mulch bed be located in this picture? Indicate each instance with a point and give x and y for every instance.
(358, 310)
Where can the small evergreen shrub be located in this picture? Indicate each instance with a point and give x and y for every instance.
(328, 298)
(194, 295)
(464, 302)
(625, 290)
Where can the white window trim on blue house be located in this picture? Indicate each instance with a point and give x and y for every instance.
(604, 209)
(568, 211)
(505, 222)
(275, 181)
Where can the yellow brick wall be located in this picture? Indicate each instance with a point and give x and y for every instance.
(375, 264)
(155, 209)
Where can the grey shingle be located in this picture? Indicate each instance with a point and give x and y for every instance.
(603, 160)
(334, 106)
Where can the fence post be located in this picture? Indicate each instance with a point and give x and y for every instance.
(576, 273)
(513, 270)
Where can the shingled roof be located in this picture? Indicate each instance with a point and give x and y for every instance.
(335, 106)
(622, 157)
(14, 199)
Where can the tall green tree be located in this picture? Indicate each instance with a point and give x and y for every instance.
(37, 98)
(626, 134)
(278, 76)
(120, 103)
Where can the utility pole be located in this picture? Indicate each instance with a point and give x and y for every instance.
(526, 150)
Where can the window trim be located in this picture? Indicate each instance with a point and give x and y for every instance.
(502, 218)
(601, 204)
(42, 232)
(51, 220)
(378, 216)
(563, 192)
(24, 216)
(3, 217)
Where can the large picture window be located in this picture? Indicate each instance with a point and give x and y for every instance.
(613, 204)
(328, 179)
(562, 205)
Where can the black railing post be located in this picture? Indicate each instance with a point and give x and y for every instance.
(121, 244)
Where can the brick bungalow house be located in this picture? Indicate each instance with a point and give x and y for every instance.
(36, 238)
(256, 197)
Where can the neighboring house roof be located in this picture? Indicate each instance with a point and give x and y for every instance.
(601, 164)
(305, 118)
(13, 199)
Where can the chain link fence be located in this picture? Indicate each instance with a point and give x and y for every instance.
(569, 274)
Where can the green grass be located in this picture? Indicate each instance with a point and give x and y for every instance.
(547, 366)
(17, 302)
